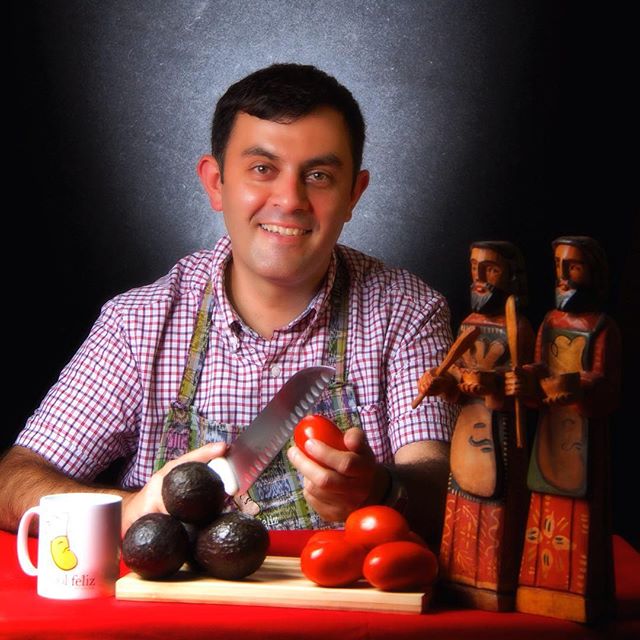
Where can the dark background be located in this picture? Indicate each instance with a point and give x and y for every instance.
(486, 120)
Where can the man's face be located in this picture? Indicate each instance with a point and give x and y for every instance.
(489, 275)
(287, 192)
(573, 278)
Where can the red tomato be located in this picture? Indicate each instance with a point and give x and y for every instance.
(374, 525)
(400, 566)
(318, 428)
(414, 537)
(334, 563)
(326, 535)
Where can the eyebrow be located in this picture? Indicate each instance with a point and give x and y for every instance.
(329, 159)
(259, 151)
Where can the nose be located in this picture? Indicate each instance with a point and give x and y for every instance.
(289, 193)
(563, 270)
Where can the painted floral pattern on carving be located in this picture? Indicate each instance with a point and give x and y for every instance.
(555, 548)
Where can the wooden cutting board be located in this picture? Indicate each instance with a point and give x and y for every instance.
(278, 583)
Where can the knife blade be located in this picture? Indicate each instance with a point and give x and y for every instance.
(253, 450)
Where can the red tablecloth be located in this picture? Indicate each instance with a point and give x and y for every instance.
(23, 614)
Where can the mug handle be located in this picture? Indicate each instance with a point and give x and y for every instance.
(23, 549)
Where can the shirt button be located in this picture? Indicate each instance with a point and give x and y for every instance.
(275, 370)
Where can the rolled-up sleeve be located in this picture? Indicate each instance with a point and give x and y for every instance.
(421, 337)
(88, 418)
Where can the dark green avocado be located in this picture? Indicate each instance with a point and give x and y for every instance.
(193, 493)
(155, 546)
(232, 547)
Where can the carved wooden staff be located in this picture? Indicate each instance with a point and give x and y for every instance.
(463, 342)
(511, 318)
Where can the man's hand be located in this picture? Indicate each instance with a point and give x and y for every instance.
(149, 498)
(348, 480)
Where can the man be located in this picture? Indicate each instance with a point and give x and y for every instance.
(567, 559)
(274, 296)
(486, 499)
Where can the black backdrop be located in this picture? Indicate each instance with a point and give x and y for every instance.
(486, 120)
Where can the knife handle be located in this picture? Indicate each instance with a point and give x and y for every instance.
(224, 469)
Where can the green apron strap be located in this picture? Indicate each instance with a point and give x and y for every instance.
(339, 322)
(197, 349)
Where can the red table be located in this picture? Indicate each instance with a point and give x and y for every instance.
(23, 614)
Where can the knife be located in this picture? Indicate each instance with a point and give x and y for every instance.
(253, 450)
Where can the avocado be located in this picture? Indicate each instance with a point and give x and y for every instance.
(232, 547)
(193, 493)
(155, 546)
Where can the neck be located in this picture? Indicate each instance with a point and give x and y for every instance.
(265, 305)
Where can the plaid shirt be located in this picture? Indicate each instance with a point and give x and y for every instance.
(111, 399)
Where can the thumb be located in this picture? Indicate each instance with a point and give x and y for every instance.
(356, 441)
(205, 454)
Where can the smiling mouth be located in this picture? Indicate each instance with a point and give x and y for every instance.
(285, 231)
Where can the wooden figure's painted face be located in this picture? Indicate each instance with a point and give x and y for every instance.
(574, 284)
(490, 281)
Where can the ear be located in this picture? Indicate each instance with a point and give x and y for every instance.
(359, 186)
(211, 179)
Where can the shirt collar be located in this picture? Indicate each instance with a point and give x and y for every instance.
(228, 315)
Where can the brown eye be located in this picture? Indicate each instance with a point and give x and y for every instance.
(318, 177)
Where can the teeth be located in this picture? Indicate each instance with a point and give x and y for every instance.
(284, 231)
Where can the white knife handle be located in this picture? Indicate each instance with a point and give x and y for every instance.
(222, 467)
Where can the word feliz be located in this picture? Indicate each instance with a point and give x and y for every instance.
(82, 580)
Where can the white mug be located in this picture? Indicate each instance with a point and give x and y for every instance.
(78, 546)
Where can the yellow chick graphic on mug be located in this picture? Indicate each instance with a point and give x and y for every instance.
(61, 553)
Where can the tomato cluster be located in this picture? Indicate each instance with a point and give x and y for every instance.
(376, 543)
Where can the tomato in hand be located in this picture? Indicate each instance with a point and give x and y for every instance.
(374, 525)
(334, 563)
(400, 566)
(317, 427)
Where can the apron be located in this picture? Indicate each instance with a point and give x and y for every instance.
(560, 455)
(276, 497)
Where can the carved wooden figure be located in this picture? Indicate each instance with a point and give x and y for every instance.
(567, 566)
(487, 496)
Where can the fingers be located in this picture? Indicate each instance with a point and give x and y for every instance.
(513, 383)
(344, 482)
(149, 498)
(326, 506)
(206, 453)
(430, 384)
(314, 473)
(346, 463)
(425, 382)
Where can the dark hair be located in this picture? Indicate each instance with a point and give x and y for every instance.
(512, 254)
(284, 93)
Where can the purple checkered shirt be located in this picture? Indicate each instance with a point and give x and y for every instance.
(111, 399)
